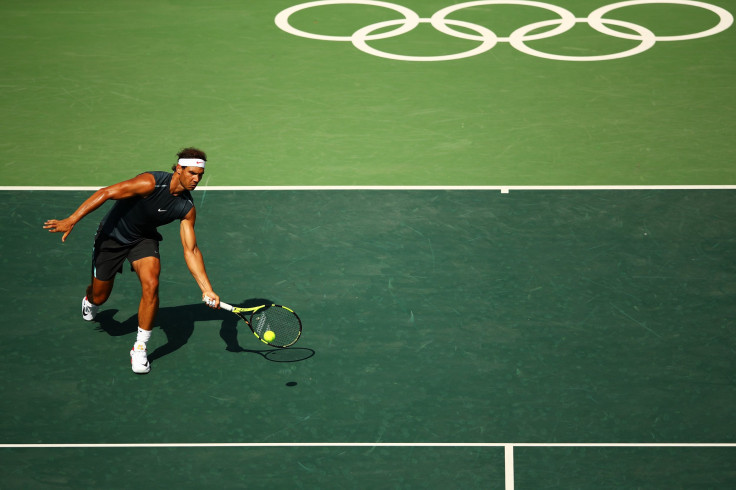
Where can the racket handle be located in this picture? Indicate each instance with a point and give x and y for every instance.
(223, 305)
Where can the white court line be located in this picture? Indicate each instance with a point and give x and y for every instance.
(374, 444)
(504, 189)
(509, 466)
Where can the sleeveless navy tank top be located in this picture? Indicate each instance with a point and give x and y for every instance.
(133, 219)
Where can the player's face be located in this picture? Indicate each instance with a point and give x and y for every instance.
(190, 177)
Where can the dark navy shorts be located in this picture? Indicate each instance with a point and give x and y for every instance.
(109, 255)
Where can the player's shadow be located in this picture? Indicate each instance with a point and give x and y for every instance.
(177, 323)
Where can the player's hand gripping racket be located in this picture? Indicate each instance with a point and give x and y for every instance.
(275, 325)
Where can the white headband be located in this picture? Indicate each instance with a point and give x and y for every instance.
(191, 162)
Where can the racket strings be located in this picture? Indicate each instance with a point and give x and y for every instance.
(283, 323)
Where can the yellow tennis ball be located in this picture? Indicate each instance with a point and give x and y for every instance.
(268, 336)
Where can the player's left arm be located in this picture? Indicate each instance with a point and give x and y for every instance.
(194, 259)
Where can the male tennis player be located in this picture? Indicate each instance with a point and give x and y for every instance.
(128, 231)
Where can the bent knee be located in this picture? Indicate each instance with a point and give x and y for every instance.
(149, 286)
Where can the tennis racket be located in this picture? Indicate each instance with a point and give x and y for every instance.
(275, 325)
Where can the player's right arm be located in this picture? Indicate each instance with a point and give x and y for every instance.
(141, 185)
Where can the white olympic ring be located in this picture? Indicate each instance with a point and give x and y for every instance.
(411, 17)
(647, 37)
(489, 39)
(568, 19)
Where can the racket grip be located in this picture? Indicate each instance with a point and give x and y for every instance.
(223, 305)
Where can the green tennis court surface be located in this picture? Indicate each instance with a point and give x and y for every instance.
(430, 317)
(478, 330)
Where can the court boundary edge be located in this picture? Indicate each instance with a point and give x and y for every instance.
(503, 189)
(373, 444)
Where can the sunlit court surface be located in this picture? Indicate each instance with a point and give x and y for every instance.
(507, 228)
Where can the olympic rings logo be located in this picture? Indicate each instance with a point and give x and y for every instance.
(488, 39)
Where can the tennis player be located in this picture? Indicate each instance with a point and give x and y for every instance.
(129, 231)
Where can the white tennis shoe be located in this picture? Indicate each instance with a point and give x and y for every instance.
(139, 359)
(89, 310)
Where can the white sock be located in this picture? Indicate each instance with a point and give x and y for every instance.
(143, 335)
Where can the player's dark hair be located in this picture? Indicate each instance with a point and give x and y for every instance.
(190, 153)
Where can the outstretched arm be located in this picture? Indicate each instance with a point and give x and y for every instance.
(194, 259)
(141, 185)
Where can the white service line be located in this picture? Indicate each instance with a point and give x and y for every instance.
(376, 444)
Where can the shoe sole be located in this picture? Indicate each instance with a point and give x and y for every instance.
(142, 372)
(147, 366)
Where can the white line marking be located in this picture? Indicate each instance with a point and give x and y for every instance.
(503, 189)
(370, 444)
(509, 466)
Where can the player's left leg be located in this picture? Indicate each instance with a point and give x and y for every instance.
(107, 261)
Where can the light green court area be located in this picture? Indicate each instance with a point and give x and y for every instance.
(94, 92)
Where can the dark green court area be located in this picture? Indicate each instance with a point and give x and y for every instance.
(429, 316)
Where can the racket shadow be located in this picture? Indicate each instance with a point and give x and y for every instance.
(290, 354)
(229, 333)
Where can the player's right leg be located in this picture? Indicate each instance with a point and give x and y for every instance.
(144, 259)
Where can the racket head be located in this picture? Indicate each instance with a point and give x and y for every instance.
(281, 320)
